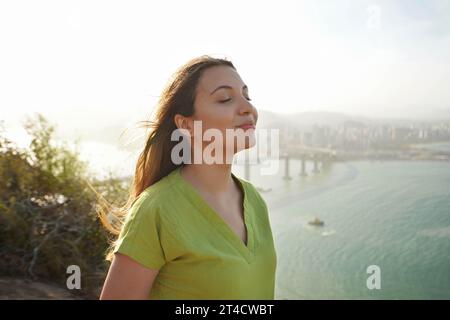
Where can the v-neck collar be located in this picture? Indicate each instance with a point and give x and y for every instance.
(218, 222)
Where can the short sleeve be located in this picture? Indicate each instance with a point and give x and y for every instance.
(140, 237)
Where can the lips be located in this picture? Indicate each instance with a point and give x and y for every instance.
(247, 126)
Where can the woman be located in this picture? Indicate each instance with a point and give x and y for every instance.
(193, 230)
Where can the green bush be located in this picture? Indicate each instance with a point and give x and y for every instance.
(48, 216)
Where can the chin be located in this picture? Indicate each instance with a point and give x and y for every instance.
(250, 142)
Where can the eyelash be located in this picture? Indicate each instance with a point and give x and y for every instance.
(224, 101)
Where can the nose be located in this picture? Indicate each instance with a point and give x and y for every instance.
(245, 107)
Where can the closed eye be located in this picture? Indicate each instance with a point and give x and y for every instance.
(229, 99)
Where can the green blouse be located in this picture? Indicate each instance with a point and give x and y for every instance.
(172, 228)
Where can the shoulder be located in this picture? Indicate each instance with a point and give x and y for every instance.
(153, 202)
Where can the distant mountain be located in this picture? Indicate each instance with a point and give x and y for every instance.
(308, 119)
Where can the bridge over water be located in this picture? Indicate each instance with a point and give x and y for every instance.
(319, 156)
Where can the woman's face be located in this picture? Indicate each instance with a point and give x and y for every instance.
(222, 102)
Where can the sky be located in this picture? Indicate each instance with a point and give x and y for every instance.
(93, 64)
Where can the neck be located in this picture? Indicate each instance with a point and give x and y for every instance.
(214, 179)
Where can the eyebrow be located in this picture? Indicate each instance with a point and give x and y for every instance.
(226, 87)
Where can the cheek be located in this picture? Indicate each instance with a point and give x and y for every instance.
(218, 118)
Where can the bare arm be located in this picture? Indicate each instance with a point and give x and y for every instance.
(127, 279)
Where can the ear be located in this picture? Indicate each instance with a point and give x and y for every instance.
(183, 122)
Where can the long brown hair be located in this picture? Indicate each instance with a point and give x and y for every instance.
(154, 162)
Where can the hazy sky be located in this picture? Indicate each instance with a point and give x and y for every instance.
(93, 63)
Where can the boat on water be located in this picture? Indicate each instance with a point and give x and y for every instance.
(316, 222)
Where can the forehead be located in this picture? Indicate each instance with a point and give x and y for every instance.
(217, 76)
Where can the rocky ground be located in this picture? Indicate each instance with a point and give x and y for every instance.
(25, 289)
